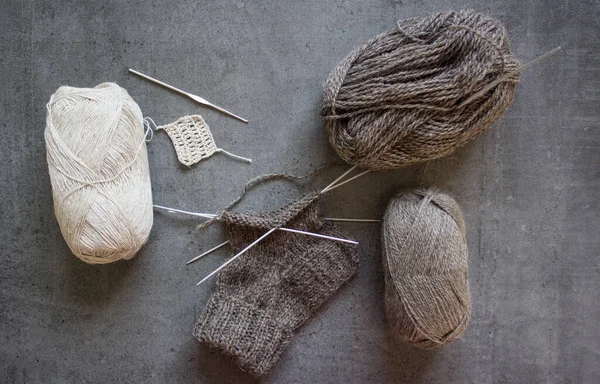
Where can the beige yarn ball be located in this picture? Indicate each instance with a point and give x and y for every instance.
(425, 256)
(98, 165)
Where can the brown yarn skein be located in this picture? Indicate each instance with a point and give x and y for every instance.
(411, 94)
(425, 265)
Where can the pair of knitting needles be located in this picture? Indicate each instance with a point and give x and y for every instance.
(210, 216)
(196, 98)
(335, 184)
(328, 188)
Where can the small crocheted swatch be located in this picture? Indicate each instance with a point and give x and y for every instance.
(193, 140)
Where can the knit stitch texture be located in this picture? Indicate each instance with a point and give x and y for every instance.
(262, 297)
(411, 94)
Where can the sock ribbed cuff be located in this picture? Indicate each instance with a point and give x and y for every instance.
(240, 330)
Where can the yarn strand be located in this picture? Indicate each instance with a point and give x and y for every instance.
(425, 267)
(419, 91)
(98, 165)
(234, 156)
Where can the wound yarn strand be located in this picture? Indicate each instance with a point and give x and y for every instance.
(98, 165)
(400, 98)
(425, 264)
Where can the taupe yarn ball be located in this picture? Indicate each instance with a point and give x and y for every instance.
(425, 256)
(98, 165)
(412, 94)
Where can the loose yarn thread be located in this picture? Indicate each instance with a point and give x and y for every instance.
(258, 181)
(98, 165)
(412, 94)
(425, 263)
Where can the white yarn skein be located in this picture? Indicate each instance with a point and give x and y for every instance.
(98, 165)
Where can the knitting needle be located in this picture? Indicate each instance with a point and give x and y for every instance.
(238, 255)
(328, 188)
(210, 216)
(319, 235)
(208, 252)
(346, 181)
(173, 210)
(353, 220)
(509, 74)
(338, 179)
(283, 229)
(190, 95)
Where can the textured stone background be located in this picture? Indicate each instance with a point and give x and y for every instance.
(528, 187)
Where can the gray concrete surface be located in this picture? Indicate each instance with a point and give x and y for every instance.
(529, 189)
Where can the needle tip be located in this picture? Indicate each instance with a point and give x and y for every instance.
(236, 116)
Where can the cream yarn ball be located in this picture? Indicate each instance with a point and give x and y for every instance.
(98, 165)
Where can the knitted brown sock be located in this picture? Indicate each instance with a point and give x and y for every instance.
(262, 297)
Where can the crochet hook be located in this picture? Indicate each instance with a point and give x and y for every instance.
(196, 98)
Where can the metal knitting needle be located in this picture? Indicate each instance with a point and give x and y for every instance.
(238, 255)
(208, 252)
(190, 95)
(318, 235)
(509, 74)
(346, 181)
(210, 216)
(282, 229)
(173, 210)
(353, 220)
(328, 188)
(338, 179)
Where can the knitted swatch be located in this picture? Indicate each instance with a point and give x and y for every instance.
(262, 297)
(193, 140)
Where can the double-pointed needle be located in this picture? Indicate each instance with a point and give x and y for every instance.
(328, 188)
(210, 216)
